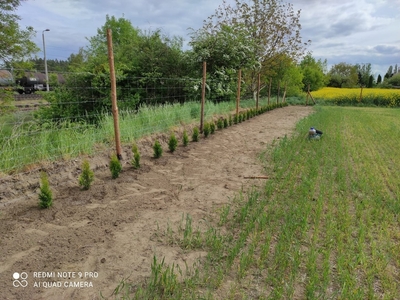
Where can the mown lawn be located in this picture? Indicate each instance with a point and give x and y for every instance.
(325, 226)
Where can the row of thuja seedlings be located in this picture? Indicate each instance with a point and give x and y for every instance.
(87, 175)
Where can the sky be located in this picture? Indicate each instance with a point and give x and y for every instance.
(350, 31)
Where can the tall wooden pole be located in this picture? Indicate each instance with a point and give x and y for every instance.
(279, 90)
(269, 90)
(238, 91)
(258, 90)
(203, 95)
(114, 95)
(284, 93)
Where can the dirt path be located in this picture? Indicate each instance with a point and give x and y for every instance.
(109, 230)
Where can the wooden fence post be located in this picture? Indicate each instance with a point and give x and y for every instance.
(203, 96)
(269, 90)
(258, 90)
(114, 95)
(284, 93)
(279, 90)
(238, 91)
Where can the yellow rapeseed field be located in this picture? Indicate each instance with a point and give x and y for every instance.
(369, 96)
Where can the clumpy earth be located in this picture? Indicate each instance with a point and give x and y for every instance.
(88, 241)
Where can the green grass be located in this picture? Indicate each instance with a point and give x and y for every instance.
(325, 226)
(24, 142)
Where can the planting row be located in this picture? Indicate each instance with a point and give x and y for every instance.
(87, 175)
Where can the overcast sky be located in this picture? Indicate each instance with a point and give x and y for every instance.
(351, 31)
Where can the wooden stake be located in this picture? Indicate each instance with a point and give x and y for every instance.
(284, 94)
(114, 95)
(269, 90)
(279, 90)
(203, 96)
(258, 90)
(238, 91)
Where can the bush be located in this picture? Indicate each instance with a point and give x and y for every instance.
(136, 157)
(225, 122)
(212, 127)
(185, 138)
(157, 149)
(206, 129)
(220, 123)
(172, 143)
(45, 196)
(115, 166)
(195, 135)
(230, 121)
(235, 119)
(87, 176)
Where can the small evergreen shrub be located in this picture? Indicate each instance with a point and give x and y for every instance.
(225, 122)
(136, 157)
(115, 166)
(172, 143)
(220, 123)
(235, 119)
(157, 149)
(185, 138)
(195, 135)
(212, 127)
(230, 120)
(45, 195)
(87, 176)
(206, 129)
(240, 118)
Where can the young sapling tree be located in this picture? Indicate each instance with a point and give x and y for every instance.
(45, 195)
(115, 166)
(87, 176)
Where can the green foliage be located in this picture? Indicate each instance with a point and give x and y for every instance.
(195, 134)
(45, 195)
(212, 127)
(185, 138)
(206, 129)
(225, 122)
(230, 121)
(136, 156)
(172, 143)
(312, 72)
(6, 101)
(235, 118)
(220, 123)
(157, 149)
(394, 80)
(16, 44)
(87, 176)
(343, 75)
(115, 166)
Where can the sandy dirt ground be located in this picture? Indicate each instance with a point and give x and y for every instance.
(88, 241)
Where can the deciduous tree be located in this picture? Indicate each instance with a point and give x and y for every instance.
(343, 75)
(16, 43)
(272, 25)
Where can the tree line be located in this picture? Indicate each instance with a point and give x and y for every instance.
(260, 39)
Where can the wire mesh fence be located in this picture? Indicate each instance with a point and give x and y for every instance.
(76, 115)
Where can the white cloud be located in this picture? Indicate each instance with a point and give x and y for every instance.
(357, 30)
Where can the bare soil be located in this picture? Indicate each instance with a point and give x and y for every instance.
(109, 230)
